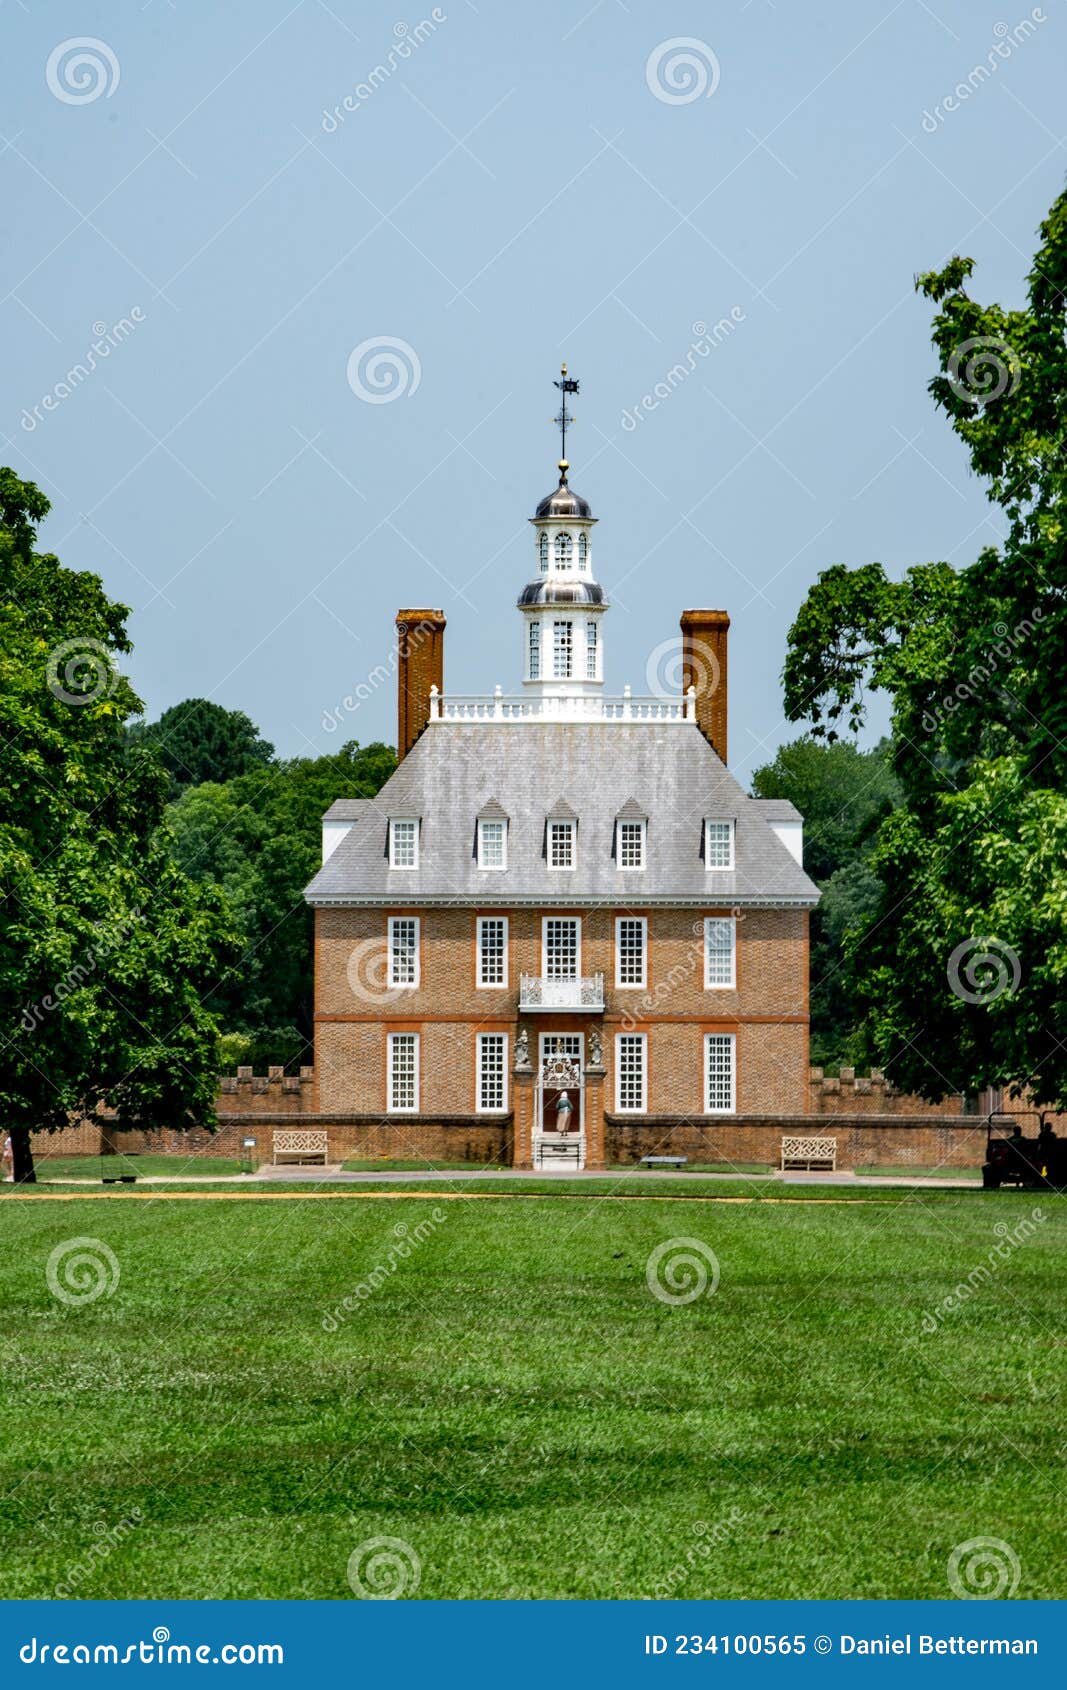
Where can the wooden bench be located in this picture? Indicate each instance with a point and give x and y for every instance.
(304, 1145)
(809, 1153)
(664, 1161)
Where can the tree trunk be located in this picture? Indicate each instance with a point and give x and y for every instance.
(22, 1168)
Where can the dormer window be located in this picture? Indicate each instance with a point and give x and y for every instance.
(403, 842)
(561, 844)
(564, 550)
(562, 651)
(718, 844)
(542, 553)
(492, 843)
(631, 845)
(583, 551)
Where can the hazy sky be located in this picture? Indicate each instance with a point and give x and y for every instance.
(513, 191)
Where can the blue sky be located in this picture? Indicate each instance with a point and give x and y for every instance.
(510, 189)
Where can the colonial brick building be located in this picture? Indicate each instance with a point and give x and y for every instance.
(562, 915)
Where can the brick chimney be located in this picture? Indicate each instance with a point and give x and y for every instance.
(420, 646)
(704, 635)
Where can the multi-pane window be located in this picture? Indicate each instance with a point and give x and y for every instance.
(561, 844)
(590, 651)
(403, 950)
(719, 1073)
(720, 951)
(403, 1073)
(535, 651)
(718, 844)
(403, 843)
(492, 844)
(562, 651)
(630, 950)
(631, 844)
(542, 553)
(492, 1063)
(562, 947)
(583, 550)
(630, 1080)
(564, 551)
(492, 950)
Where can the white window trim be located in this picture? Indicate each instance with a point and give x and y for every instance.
(620, 1107)
(481, 1108)
(403, 868)
(732, 1109)
(622, 985)
(490, 985)
(562, 868)
(577, 945)
(631, 868)
(404, 985)
(413, 1109)
(721, 985)
(720, 868)
(492, 868)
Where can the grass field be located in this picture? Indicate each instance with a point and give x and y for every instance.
(62, 1168)
(512, 1401)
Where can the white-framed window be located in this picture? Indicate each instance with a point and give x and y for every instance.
(631, 950)
(561, 844)
(631, 1078)
(583, 550)
(562, 651)
(403, 950)
(493, 844)
(491, 1091)
(564, 551)
(590, 651)
(492, 945)
(535, 651)
(631, 845)
(720, 1076)
(720, 953)
(403, 1073)
(403, 842)
(542, 552)
(561, 947)
(718, 844)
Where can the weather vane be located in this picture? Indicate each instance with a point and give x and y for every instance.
(566, 385)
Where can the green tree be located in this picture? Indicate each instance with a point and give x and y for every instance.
(198, 741)
(109, 955)
(844, 795)
(962, 969)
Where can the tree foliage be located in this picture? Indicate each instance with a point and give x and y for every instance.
(961, 970)
(199, 741)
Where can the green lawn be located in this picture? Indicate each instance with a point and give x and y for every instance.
(190, 1166)
(898, 1172)
(515, 1404)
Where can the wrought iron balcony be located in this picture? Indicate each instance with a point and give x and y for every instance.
(584, 991)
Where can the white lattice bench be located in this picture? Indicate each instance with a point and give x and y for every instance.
(809, 1153)
(304, 1145)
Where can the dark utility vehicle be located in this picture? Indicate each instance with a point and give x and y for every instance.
(1028, 1163)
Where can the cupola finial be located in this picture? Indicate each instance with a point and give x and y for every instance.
(566, 385)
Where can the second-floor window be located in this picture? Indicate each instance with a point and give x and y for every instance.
(403, 950)
(720, 952)
(630, 950)
(562, 945)
(561, 844)
(492, 950)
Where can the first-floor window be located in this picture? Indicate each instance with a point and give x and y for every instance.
(492, 1064)
(492, 950)
(403, 950)
(720, 952)
(719, 1075)
(630, 950)
(630, 1073)
(403, 1073)
(535, 651)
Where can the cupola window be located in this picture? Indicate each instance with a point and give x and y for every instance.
(542, 553)
(535, 651)
(564, 551)
(583, 551)
(562, 651)
(590, 651)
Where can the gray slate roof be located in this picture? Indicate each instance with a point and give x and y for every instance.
(455, 768)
